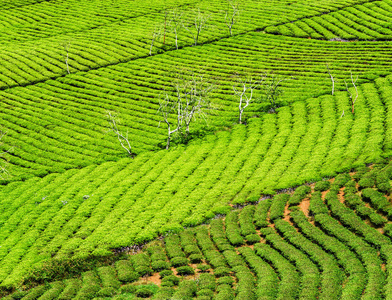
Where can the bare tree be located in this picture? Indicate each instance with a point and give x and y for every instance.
(352, 98)
(156, 35)
(332, 79)
(3, 161)
(272, 91)
(176, 19)
(169, 107)
(197, 100)
(164, 29)
(199, 24)
(232, 12)
(189, 101)
(113, 126)
(66, 46)
(245, 92)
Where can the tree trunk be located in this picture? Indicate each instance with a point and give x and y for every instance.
(197, 37)
(164, 32)
(168, 142)
(175, 31)
(66, 62)
(152, 43)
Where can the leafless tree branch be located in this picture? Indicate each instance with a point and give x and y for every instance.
(123, 139)
(199, 24)
(245, 93)
(176, 19)
(231, 14)
(332, 79)
(353, 98)
(3, 161)
(272, 90)
(167, 107)
(189, 100)
(66, 45)
(156, 35)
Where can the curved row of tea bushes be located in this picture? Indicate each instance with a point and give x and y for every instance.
(121, 34)
(328, 252)
(368, 21)
(70, 214)
(66, 116)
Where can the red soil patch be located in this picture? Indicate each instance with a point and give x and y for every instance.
(304, 206)
(383, 267)
(367, 205)
(341, 194)
(174, 270)
(286, 214)
(155, 278)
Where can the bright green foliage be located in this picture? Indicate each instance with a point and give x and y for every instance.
(187, 289)
(246, 220)
(141, 262)
(224, 292)
(73, 135)
(84, 205)
(279, 203)
(76, 195)
(35, 293)
(89, 287)
(218, 235)
(329, 251)
(125, 271)
(369, 21)
(261, 212)
(71, 288)
(233, 231)
(322, 185)
(53, 291)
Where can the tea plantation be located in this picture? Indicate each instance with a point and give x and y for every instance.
(295, 203)
(329, 240)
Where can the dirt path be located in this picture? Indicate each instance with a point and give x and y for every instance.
(304, 206)
(341, 194)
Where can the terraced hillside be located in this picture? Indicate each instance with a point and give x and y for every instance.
(60, 124)
(73, 194)
(108, 32)
(330, 240)
(59, 111)
(70, 213)
(369, 21)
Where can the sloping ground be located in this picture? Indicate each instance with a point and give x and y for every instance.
(328, 241)
(369, 21)
(60, 124)
(88, 211)
(102, 33)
